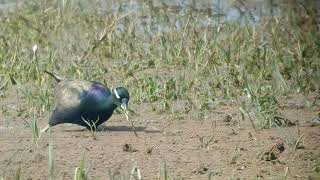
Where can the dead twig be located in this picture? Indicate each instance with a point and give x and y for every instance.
(133, 128)
(251, 136)
(285, 173)
(297, 142)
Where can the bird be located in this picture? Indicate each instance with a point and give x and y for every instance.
(85, 103)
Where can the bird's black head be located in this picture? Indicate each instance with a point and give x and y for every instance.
(122, 95)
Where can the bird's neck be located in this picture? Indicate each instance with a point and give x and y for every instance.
(110, 102)
(101, 99)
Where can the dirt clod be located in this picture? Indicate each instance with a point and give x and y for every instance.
(241, 168)
(128, 148)
(234, 159)
(200, 170)
(227, 118)
(274, 152)
(233, 133)
(280, 146)
(149, 150)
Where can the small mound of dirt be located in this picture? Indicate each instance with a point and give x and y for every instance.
(128, 148)
(274, 152)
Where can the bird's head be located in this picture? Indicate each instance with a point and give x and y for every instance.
(122, 96)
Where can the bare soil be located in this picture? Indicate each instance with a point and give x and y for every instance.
(191, 146)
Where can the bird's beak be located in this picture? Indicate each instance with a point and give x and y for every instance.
(124, 104)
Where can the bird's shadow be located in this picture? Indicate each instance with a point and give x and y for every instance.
(103, 128)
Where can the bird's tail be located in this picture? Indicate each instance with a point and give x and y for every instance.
(57, 78)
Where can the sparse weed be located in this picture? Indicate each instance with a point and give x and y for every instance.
(80, 172)
(18, 174)
(163, 173)
(35, 130)
(51, 157)
(92, 125)
(205, 141)
(186, 61)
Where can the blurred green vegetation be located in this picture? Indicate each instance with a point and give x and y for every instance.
(250, 64)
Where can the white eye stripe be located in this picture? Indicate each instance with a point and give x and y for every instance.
(116, 93)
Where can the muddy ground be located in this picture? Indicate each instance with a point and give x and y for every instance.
(191, 146)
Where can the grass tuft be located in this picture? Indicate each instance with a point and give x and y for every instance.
(80, 172)
(35, 130)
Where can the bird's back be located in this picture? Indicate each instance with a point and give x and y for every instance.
(77, 99)
(70, 93)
